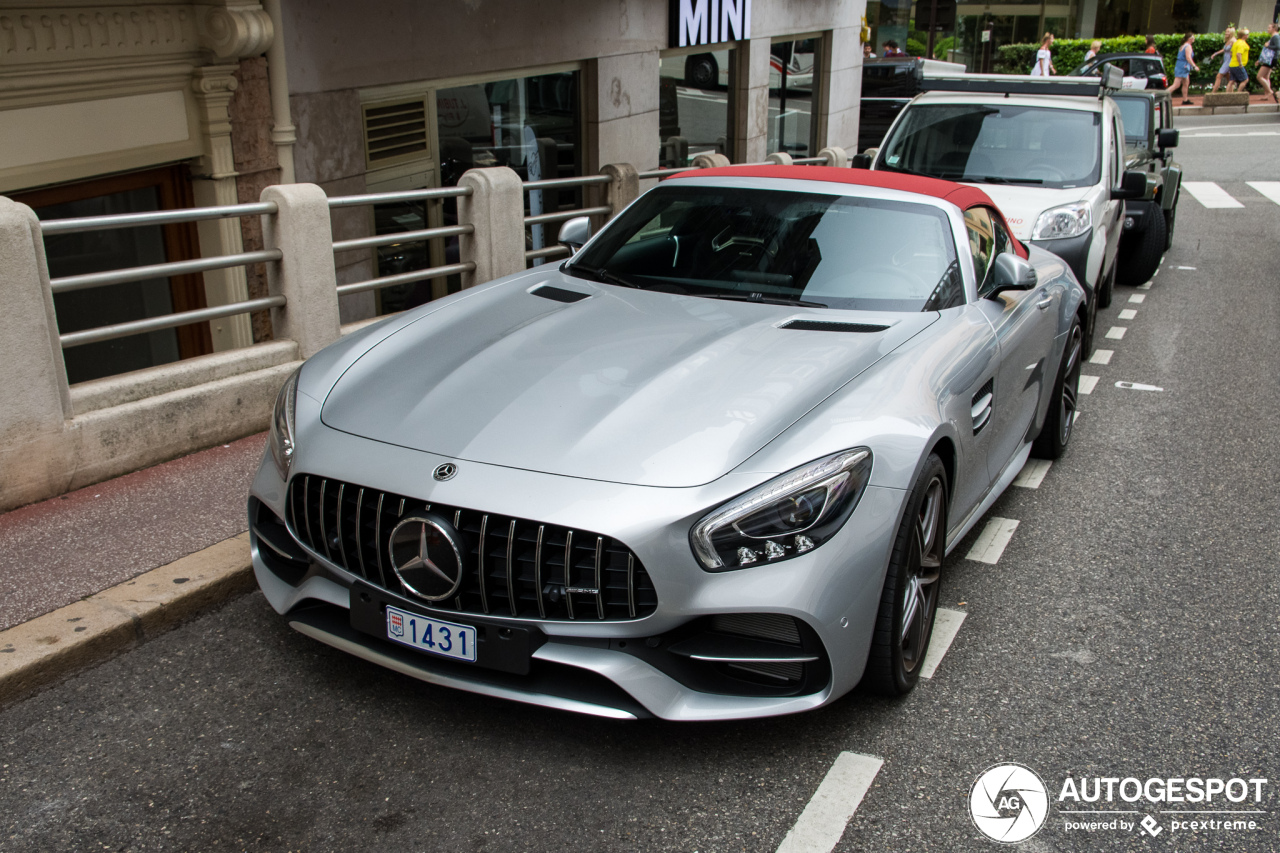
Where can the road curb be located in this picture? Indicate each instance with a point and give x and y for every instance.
(51, 647)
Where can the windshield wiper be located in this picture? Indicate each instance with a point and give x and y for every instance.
(602, 274)
(996, 179)
(764, 300)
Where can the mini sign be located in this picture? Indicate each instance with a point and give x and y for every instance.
(697, 22)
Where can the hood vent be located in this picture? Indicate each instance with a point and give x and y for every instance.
(558, 294)
(828, 326)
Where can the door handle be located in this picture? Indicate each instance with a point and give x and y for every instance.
(1044, 303)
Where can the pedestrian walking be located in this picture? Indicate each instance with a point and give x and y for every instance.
(1182, 68)
(1239, 67)
(1044, 59)
(1151, 45)
(1094, 47)
(1267, 60)
(1228, 38)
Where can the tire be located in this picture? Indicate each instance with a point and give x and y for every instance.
(701, 71)
(1140, 256)
(1055, 435)
(1106, 288)
(909, 599)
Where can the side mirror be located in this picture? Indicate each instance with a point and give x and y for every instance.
(1167, 137)
(1132, 185)
(1012, 273)
(575, 233)
(860, 161)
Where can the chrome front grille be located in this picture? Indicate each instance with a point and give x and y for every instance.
(514, 567)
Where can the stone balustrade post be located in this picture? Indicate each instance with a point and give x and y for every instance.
(305, 276)
(837, 157)
(624, 188)
(495, 209)
(35, 400)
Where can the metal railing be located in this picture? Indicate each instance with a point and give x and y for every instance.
(67, 284)
(434, 194)
(555, 249)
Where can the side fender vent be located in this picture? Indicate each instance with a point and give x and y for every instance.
(828, 326)
(981, 409)
(558, 294)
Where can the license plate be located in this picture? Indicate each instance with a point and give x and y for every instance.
(446, 639)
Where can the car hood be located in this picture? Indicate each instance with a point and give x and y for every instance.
(626, 385)
(1022, 206)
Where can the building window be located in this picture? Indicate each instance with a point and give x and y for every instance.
(791, 91)
(695, 111)
(531, 124)
(121, 248)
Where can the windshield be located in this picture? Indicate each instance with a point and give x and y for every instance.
(1136, 115)
(1037, 146)
(774, 246)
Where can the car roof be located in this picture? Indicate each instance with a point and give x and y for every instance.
(960, 195)
(1083, 103)
(1097, 57)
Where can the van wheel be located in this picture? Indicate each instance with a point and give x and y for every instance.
(1140, 257)
(701, 71)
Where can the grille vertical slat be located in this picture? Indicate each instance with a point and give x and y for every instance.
(480, 565)
(537, 572)
(532, 553)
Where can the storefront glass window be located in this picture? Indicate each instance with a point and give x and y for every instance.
(693, 106)
(791, 70)
(530, 124)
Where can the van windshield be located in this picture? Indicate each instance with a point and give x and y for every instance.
(992, 144)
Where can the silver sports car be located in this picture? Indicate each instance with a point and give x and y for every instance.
(708, 468)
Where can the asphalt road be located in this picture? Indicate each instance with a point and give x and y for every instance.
(1130, 629)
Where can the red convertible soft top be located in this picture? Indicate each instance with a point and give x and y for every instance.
(962, 196)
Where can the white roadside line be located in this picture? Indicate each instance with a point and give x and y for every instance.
(1032, 474)
(1138, 298)
(1102, 356)
(1145, 286)
(823, 820)
(1270, 189)
(945, 627)
(1115, 333)
(1193, 269)
(1210, 194)
(1127, 314)
(1088, 383)
(991, 543)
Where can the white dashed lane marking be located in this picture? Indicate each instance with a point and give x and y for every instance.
(1032, 474)
(823, 820)
(1088, 383)
(1115, 333)
(1102, 356)
(1138, 298)
(992, 541)
(1270, 189)
(945, 627)
(1127, 314)
(1138, 386)
(1193, 269)
(1210, 194)
(1145, 286)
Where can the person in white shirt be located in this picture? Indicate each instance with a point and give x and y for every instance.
(1044, 60)
(1093, 50)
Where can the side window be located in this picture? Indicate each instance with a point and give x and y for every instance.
(982, 245)
(1004, 244)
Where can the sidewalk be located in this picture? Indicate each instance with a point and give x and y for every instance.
(1257, 104)
(95, 570)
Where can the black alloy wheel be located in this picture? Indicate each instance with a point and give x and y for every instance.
(909, 600)
(701, 71)
(1056, 433)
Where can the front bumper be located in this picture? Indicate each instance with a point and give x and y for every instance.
(624, 668)
(1075, 251)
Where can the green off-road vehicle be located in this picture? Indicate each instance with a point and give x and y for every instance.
(1149, 137)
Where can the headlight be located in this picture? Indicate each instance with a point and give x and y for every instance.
(785, 517)
(1070, 220)
(281, 438)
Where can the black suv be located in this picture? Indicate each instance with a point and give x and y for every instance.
(1148, 221)
(1134, 66)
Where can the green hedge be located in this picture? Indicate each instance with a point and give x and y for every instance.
(1069, 54)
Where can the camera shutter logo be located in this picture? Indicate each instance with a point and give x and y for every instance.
(1009, 803)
